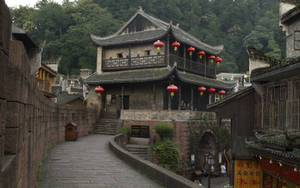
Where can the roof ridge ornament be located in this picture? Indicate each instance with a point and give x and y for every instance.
(141, 9)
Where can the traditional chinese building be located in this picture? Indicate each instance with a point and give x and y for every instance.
(265, 117)
(155, 72)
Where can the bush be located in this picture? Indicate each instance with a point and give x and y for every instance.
(125, 130)
(164, 130)
(167, 154)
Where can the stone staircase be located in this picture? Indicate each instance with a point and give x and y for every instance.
(108, 124)
(142, 151)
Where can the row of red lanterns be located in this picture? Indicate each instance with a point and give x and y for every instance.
(159, 44)
(173, 89)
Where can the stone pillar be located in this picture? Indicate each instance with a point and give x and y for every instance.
(99, 60)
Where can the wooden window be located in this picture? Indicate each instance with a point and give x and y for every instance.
(120, 55)
(140, 131)
(297, 40)
(147, 52)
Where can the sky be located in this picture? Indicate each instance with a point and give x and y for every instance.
(31, 3)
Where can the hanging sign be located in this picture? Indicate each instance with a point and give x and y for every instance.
(247, 174)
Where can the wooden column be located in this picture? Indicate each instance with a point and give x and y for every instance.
(122, 96)
(184, 57)
(192, 98)
(129, 56)
(154, 97)
(167, 51)
(204, 61)
(179, 96)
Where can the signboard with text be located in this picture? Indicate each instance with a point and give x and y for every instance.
(247, 174)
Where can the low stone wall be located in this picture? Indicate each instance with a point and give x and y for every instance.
(157, 173)
(29, 122)
(165, 115)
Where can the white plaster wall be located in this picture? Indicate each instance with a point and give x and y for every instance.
(99, 60)
(256, 63)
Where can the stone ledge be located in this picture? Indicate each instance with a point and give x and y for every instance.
(159, 174)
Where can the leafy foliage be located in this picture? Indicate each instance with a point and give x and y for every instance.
(234, 23)
(164, 131)
(167, 154)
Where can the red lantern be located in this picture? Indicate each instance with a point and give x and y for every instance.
(201, 54)
(201, 90)
(158, 44)
(172, 89)
(212, 58)
(191, 50)
(218, 60)
(211, 90)
(222, 92)
(99, 90)
(175, 45)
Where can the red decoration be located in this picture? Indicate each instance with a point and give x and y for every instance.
(212, 58)
(201, 90)
(218, 60)
(158, 44)
(222, 92)
(211, 90)
(175, 45)
(172, 89)
(284, 171)
(99, 90)
(201, 54)
(191, 50)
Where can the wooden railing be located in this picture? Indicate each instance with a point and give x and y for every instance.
(134, 62)
(205, 69)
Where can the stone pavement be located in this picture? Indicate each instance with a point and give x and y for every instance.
(216, 182)
(89, 163)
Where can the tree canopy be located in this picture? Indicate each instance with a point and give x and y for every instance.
(234, 23)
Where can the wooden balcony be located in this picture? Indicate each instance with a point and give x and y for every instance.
(134, 62)
(200, 68)
(196, 67)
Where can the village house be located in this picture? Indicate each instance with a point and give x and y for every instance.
(265, 117)
(150, 72)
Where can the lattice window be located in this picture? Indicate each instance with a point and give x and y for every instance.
(297, 40)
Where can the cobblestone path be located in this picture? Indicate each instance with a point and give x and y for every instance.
(89, 163)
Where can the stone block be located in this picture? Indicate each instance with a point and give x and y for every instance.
(11, 139)
(3, 74)
(15, 117)
(5, 27)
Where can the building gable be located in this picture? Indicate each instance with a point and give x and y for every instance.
(139, 23)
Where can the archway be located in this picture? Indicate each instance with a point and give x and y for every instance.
(208, 144)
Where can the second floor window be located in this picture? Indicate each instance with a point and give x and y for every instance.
(120, 55)
(297, 40)
(147, 52)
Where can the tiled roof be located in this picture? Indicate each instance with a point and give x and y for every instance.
(290, 14)
(129, 76)
(152, 35)
(278, 144)
(154, 74)
(66, 98)
(203, 81)
(137, 37)
(20, 34)
(278, 67)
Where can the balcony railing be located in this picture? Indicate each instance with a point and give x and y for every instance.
(159, 61)
(134, 62)
(193, 66)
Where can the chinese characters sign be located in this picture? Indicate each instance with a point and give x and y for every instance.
(247, 174)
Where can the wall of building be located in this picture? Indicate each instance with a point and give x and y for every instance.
(30, 123)
(181, 120)
(256, 63)
(290, 51)
(135, 50)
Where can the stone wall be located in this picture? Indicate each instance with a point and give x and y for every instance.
(181, 120)
(30, 123)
